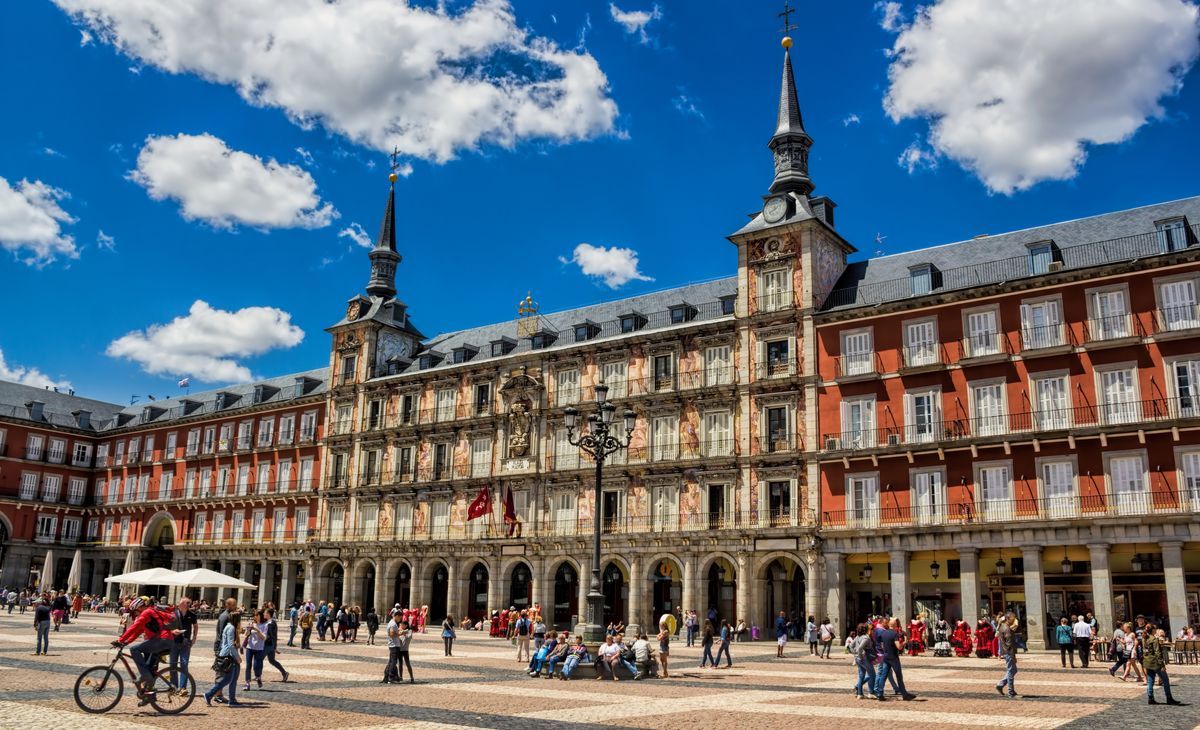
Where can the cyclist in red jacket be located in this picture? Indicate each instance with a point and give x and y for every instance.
(153, 624)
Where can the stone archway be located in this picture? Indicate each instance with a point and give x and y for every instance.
(566, 596)
(439, 592)
(402, 593)
(614, 585)
(720, 594)
(332, 579)
(158, 538)
(783, 583)
(477, 608)
(666, 586)
(520, 585)
(364, 578)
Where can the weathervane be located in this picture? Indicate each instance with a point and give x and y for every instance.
(786, 15)
(395, 164)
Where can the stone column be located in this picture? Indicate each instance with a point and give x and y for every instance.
(968, 580)
(635, 609)
(1172, 559)
(287, 584)
(266, 581)
(901, 587)
(495, 597)
(1102, 594)
(814, 595)
(455, 606)
(243, 594)
(543, 590)
(385, 588)
(745, 593)
(348, 584)
(419, 584)
(690, 593)
(835, 579)
(310, 581)
(585, 585)
(1035, 598)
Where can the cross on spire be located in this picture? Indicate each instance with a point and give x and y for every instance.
(786, 15)
(395, 159)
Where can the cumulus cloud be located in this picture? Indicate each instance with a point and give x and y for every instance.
(1016, 91)
(613, 265)
(226, 187)
(207, 343)
(356, 234)
(29, 376)
(635, 21)
(31, 222)
(851, 119)
(105, 241)
(85, 38)
(686, 105)
(425, 79)
(891, 16)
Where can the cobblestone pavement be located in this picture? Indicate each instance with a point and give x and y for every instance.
(482, 686)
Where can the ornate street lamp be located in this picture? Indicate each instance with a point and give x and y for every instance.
(599, 444)
(1136, 563)
(867, 571)
(1067, 567)
(935, 568)
(1001, 566)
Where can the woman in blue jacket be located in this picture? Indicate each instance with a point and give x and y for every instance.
(229, 648)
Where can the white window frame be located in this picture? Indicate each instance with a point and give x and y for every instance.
(774, 289)
(989, 424)
(566, 390)
(1041, 336)
(934, 429)
(992, 506)
(718, 432)
(928, 493)
(1178, 316)
(1185, 403)
(865, 436)
(615, 375)
(1104, 324)
(858, 351)
(1127, 501)
(924, 351)
(664, 437)
(1187, 467)
(664, 508)
(1125, 410)
(1051, 403)
(1060, 501)
(860, 510)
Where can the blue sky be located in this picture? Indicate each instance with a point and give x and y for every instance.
(666, 161)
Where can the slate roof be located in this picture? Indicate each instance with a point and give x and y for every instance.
(59, 407)
(1096, 240)
(655, 306)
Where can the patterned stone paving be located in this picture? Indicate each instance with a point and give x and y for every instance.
(482, 686)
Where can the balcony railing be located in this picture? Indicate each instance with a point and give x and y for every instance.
(984, 345)
(775, 301)
(1113, 327)
(1063, 507)
(1125, 414)
(925, 355)
(1181, 318)
(672, 521)
(777, 367)
(855, 365)
(1045, 337)
(1082, 256)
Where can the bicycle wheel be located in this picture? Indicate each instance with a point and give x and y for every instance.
(169, 699)
(98, 689)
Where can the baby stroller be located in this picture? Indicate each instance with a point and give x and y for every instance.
(941, 640)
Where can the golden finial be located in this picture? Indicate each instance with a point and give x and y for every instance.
(786, 43)
(395, 165)
(787, 25)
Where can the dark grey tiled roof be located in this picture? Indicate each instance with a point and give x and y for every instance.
(1092, 241)
(705, 296)
(58, 409)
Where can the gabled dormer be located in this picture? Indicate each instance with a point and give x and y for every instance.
(586, 330)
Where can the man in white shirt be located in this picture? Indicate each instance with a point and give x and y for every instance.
(1083, 639)
(393, 634)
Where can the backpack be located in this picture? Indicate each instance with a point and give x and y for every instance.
(306, 620)
(523, 627)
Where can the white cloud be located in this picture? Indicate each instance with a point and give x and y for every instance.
(29, 376)
(356, 234)
(917, 157)
(851, 119)
(615, 266)
(207, 343)
(382, 73)
(105, 241)
(85, 38)
(31, 222)
(1015, 91)
(306, 157)
(226, 187)
(686, 105)
(635, 21)
(51, 152)
(891, 16)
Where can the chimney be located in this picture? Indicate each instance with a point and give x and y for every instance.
(36, 410)
(83, 418)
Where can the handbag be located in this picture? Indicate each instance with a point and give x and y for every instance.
(222, 664)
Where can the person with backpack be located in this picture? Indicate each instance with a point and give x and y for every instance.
(827, 635)
(151, 623)
(523, 629)
(1066, 643)
(306, 629)
(372, 620)
(863, 650)
(1154, 660)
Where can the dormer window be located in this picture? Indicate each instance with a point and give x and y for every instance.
(503, 346)
(541, 340)
(1173, 235)
(465, 353)
(632, 322)
(727, 304)
(1043, 256)
(682, 313)
(586, 331)
(923, 279)
(430, 359)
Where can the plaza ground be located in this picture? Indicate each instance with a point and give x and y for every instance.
(482, 686)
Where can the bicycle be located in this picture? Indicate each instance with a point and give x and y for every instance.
(100, 688)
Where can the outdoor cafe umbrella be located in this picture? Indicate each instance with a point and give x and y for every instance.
(46, 579)
(205, 578)
(148, 577)
(74, 577)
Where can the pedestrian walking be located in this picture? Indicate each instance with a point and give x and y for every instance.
(814, 635)
(186, 627)
(1133, 652)
(1083, 632)
(863, 650)
(448, 635)
(293, 623)
(1006, 647)
(226, 663)
(664, 643)
(41, 627)
(1154, 654)
(1066, 643)
(271, 643)
(726, 638)
(523, 628)
(781, 634)
(372, 620)
(706, 643)
(306, 628)
(254, 643)
(827, 635)
(889, 642)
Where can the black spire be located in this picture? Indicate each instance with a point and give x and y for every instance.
(790, 143)
(384, 258)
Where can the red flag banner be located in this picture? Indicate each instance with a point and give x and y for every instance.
(510, 509)
(481, 505)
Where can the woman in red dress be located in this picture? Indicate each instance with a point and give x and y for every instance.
(916, 635)
(503, 624)
(962, 639)
(984, 635)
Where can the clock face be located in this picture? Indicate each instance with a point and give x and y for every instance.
(774, 209)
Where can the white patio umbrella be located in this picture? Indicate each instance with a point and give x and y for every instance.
(76, 574)
(205, 578)
(148, 577)
(46, 579)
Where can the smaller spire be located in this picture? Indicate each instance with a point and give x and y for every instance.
(384, 258)
(790, 143)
